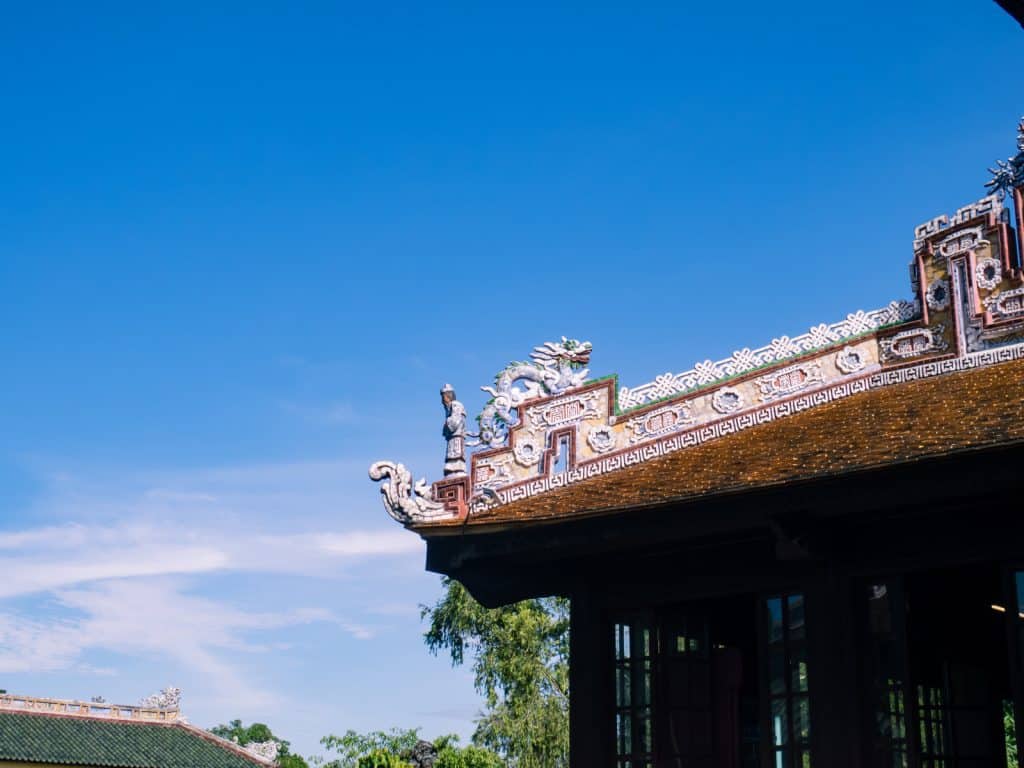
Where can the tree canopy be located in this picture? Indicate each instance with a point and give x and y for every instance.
(258, 732)
(395, 749)
(520, 658)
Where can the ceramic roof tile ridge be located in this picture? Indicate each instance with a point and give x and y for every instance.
(921, 419)
(96, 709)
(73, 737)
(779, 350)
(548, 425)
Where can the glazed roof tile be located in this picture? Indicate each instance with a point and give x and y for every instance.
(914, 421)
(37, 737)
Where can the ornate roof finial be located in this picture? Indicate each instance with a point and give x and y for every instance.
(265, 750)
(454, 432)
(556, 367)
(167, 698)
(405, 502)
(1009, 174)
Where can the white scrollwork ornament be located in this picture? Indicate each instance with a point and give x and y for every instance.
(492, 473)
(938, 295)
(913, 343)
(727, 400)
(988, 274)
(404, 501)
(602, 439)
(168, 698)
(264, 750)
(556, 368)
(850, 360)
(659, 422)
(528, 451)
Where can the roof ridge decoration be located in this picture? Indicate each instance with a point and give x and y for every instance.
(1008, 175)
(142, 712)
(778, 350)
(557, 367)
(264, 750)
(166, 698)
(404, 501)
(546, 425)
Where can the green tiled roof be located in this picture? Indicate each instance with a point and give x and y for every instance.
(40, 738)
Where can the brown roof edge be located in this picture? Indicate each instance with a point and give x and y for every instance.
(960, 412)
(488, 525)
(221, 742)
(194, 730)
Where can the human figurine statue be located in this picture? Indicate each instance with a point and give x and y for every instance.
(454, 432)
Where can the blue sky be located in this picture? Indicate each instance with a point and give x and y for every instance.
(242, 245)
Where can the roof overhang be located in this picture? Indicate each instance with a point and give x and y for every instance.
(798, 520)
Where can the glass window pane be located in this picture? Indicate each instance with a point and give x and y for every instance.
(780, 724)
(879, 610)
(795, 603)
(646, 741)
(802, 719)
(781, 759)
(798, 662)
(777, 671)
(633, 689)
(774, 620)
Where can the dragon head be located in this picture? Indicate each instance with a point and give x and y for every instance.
(571, 352)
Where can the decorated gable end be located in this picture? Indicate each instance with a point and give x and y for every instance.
(550, 426)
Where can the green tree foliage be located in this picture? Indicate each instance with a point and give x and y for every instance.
(257, 732)
(1010, 733)
(393, 749)
(467, 757)
(352, 747)
(520, 657)
(381, 758)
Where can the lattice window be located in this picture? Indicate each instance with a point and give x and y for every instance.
(887, 663)
(931, 716)
(789, 706)
(634, 722)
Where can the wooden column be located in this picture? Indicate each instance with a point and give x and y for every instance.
(591, 672)
(835, 695)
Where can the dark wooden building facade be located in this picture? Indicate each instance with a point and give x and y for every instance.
(806, 554)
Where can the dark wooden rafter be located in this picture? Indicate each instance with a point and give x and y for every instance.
(1015, 8)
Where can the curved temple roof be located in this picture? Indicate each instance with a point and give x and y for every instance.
(914, 379)
(78, 733)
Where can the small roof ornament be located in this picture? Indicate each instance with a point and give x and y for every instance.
(447, 388)
(1009, 174)
(557, 366)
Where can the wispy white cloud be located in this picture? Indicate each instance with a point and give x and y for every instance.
(152, 617)
(59, 557)
(126, 561)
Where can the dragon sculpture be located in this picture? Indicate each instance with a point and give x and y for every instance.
(265, 750)
(556, 367)
(167, 699)
(403, 500)
(1009, 174)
